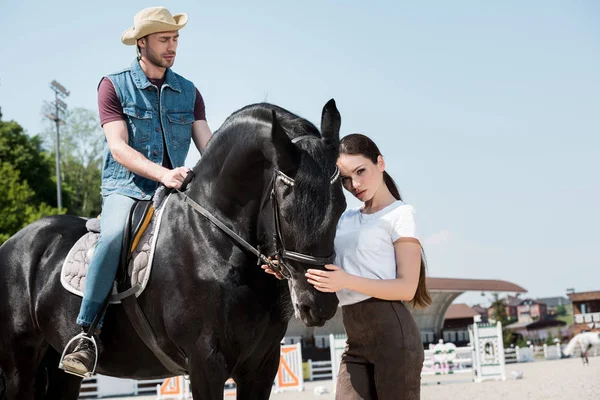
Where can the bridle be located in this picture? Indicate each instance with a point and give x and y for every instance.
(284, 254)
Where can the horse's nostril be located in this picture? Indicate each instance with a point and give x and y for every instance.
(304, 309)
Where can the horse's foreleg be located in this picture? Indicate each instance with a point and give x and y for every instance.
(207, 375)
(254, 380)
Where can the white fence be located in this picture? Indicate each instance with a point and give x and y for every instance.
(89, 388)
(337, 345)
(103, 386)
(447, 359)
(319, 370)
(525, 354)
(510, 355)
(549, 352)
(552, 352)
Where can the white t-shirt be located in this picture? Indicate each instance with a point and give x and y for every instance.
(364, 244)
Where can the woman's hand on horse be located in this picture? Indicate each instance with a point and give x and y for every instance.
(328, 281)
(173, 178)
(268, 270)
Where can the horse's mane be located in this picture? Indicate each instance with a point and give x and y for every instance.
(259, 114)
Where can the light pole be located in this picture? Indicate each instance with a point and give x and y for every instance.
(60, 106)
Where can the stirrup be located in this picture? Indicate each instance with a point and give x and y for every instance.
(64, 353)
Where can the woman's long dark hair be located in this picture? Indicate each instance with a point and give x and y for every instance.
(358, 144)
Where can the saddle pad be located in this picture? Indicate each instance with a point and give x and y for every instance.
(74, 269)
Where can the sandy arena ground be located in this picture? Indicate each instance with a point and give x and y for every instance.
(542, 380)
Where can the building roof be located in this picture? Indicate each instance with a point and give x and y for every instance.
(477, 285)
(518, 325)
(479, 309)
(540, 324)
(460, 311)
(530, 302)
(512, 301)
(583, 296)
(554, 301)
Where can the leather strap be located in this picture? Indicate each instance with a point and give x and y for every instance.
(187, 180)
(226, 229)
(142, 327)
(129, 292)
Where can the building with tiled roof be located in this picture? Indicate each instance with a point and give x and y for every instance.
(586, 311)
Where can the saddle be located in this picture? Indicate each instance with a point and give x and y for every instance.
(139, 218)
(135, 262)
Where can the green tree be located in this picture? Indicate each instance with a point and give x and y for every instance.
(521, 342)
(549, 338)
(499, 309)
(25, 155)
(561, 310)
(81, 145)
(16, 203)
(27, 191)
(509, 338)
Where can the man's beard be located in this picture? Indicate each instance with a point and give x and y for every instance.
(157, 60)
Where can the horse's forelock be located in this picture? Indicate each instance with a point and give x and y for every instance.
(313, 188)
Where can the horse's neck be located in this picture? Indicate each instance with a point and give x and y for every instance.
(231, 170)
(236, 204)
(232, 178)
(232, 184)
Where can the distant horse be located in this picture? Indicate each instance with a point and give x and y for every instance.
(270, 177)
(584, 341)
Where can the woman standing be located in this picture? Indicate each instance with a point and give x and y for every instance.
(380, 267)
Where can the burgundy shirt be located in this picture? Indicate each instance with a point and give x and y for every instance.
(110, 109)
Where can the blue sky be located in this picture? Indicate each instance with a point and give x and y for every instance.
(487, 114)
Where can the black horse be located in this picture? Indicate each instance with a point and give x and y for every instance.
(213, 310)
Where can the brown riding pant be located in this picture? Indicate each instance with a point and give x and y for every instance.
(384, 354)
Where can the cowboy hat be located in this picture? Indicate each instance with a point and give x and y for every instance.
(152, 20)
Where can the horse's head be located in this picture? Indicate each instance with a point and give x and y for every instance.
(307, 202)
(273, 176)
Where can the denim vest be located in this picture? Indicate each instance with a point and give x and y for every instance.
(147, 120)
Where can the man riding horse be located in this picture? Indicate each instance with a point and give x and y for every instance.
(149, 115)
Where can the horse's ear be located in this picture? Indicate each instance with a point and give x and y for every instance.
(287, 156)
(330, 123)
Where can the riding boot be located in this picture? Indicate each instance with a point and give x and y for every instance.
(82, 359)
